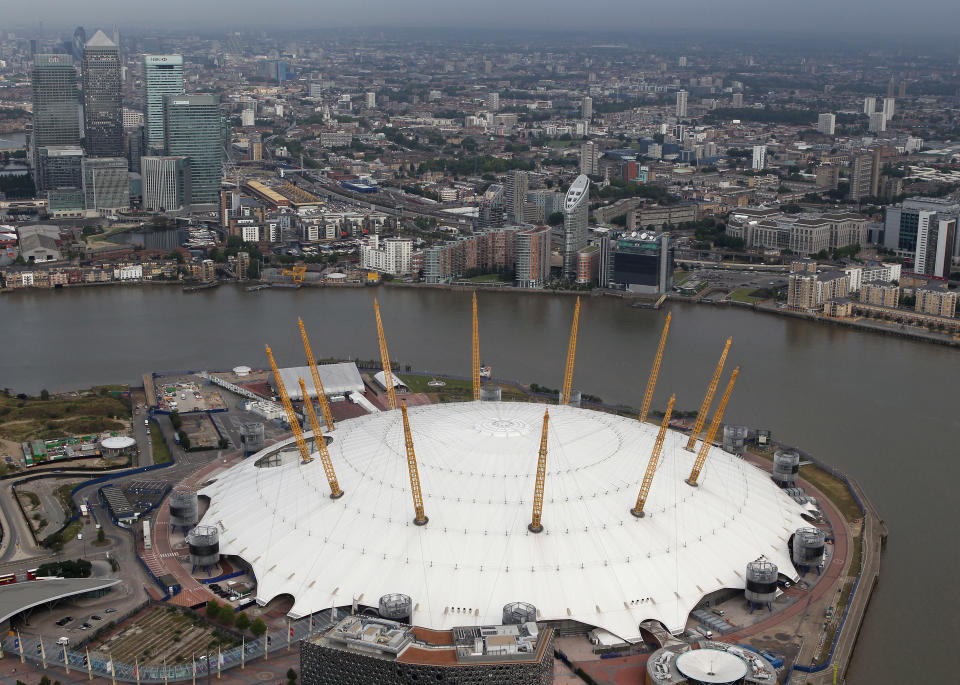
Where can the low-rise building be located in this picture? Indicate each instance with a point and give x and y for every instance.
(936, 302)
(880, 294)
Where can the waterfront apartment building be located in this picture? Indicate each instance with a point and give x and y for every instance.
(192, 128)
(808, 290)
(56, 114)
(524, 250)
(106, 185)
(532, 264)
(166, 183)
(391, 255)
(162, 76)
(576, 218)
(936, 302)
(880, 294)
(515, 195)
(102, 99)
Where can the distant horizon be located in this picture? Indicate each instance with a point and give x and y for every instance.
(855, 20)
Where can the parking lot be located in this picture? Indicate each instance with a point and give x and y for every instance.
(186, 394)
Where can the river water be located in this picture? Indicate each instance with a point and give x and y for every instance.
(879, 407)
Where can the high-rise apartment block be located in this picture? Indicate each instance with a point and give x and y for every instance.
(589, 158)
(56, 119)
(371, 100)
(166, 183)
(935, 240)
(888, 107)
(102, 99)
(576, 218)
(865, 179)
(518, 183)
(586, 108)
(759, 160)
(493, 101)
(738, 99)
(162, 76)
(869, 105)
(826, 124)
(681, 104)
(192, 128)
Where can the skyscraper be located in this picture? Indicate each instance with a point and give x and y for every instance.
(166, 182)
(102, 101)
(576, 217)
(866, 174)
(55, 116)
(162, 76)
(888, 106)
(759, 157)
(192, 128)
(79, 40)
(681, 103)
(518, 183)
(106, 184)
(826, 124)
(869, 105)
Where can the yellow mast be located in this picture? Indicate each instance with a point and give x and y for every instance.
(291, 415)
(654, 372)
(420, 518)
(712, 433)
(571, 356)
(321, 444)
(476, 351)
(708, 399)
(535, 525)
(385, 359)
(654, 459)
(317, 383)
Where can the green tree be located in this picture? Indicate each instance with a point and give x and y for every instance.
(227, 615)
(213, 609)
(258, 627)
(44, 395)
(101, 536)
(184, 440)
(243, 621)
(555, 218)
(291, 675)
(44, 680)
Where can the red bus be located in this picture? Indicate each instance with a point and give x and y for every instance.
(32, 573)
(8, 579)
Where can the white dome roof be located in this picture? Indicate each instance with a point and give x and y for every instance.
(118, 443)
(594, 562)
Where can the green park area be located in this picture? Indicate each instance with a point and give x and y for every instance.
(46, 417)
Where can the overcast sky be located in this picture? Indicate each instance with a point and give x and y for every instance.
(915, 17)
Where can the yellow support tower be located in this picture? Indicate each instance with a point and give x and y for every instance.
(654, 459)
(420, 518)
(320, 444)
(385, 359)
(708, 399)
(317, 383)
(291, 415)
(571, 356)
(476, 351)
(712, 433)
(654, 372)
(535, 525)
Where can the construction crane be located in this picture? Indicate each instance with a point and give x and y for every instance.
(385, 359)
(298, 273)
(654, 459)
(654, 372)
(571, 356)
(420, 518)
(708, 399)
(320, 443)
(305, 457)
(535, 525)
(476, 351)
(712, 433)
(317, 383)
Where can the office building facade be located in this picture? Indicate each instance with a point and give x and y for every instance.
(162, 76)
(192, 128)
(61, 166)
(642, 263)
(166, 183)
(56, 119)
(106, 184)
(102, 99)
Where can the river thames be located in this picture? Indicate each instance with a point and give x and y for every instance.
(881, 408)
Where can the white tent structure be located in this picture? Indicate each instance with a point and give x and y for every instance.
(342, 378)
(594, 562)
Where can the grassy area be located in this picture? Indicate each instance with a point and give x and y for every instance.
(680, 276)
(560, 143)
(32, 497)
(458, 390)
(161, 453)
(834, 624)
(486, 278)
(834, 488)
(745, 295)
(38, 419)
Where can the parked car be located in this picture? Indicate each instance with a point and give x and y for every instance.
(110, 610)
